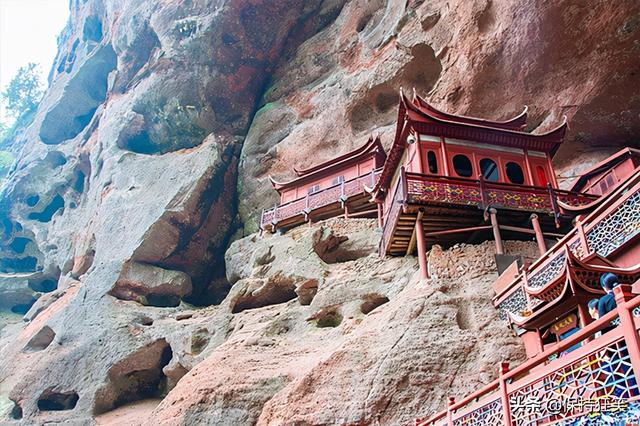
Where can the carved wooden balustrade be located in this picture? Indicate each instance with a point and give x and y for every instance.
(604, 232)
(303, 207)
(420, 190)
(555, 385)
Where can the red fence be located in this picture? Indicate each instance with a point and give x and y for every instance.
(304, 206)
(600, 375)
(415, 188)
(606, 230)
(481, 193)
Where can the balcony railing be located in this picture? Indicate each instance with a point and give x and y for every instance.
(598, 376)
(482, 193)
(340, 192)
(603, 232)
(415, 188)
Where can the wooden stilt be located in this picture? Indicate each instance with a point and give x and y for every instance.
(542, 247)
(496, 230)
(422, 248)
(380, 218)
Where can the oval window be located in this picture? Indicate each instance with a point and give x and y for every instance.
(462, 165)
(489, 169)
(432, 162)
(514, 173)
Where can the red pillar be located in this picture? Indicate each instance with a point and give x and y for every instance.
(452, 401)
(496, 231)
(422, 249)
(622, 294)
(542, 247)
(504, 394)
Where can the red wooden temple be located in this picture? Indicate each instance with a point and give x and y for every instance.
(450, 179)
(328, 189)
(570, 355)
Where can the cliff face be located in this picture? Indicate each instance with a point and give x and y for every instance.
(151, 151)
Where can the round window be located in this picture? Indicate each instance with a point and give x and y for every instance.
(462, 165)
(489, 169)
(514, 173)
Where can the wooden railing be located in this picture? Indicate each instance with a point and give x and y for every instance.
(304, 206)
(415, 188)
(570, 379)
(606, 230)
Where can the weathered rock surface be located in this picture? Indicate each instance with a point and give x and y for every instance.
(153, 145)
(375, 343)
(150, 285)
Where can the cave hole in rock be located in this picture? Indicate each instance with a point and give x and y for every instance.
(19, 244)
(464, 318)
(22, 308)
(51, 400)
(44, 285)
(7, 227)
(328, 317)
(16, 411)
(32, 200)
(137, 377)
(92, 29)
(85, 91)
(371, 302)
(199, 341)
(41, 340)
(17, 265)
(278, 290)
(144, 320)
(78, 181)
(47, 214)
(71, 58)
(55, 159)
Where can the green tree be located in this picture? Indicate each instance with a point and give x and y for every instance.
(23, 92)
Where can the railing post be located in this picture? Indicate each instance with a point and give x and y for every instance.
(623, 294)
(451, 403)
(554, 204)
(483, 193)
(504, 394)
(274, 219)
(403, 184)
(583, 238)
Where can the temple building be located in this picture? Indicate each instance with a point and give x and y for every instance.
(606, 175)
(450, 179)
(335, 187)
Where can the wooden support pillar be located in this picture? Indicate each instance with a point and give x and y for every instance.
(584, 243)
(380, 218)
(542, 247)
(583, 313)
(422, 247)
(452, 402)
(504, 394)
(496, 230)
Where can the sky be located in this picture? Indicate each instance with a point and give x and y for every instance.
(28, 33)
